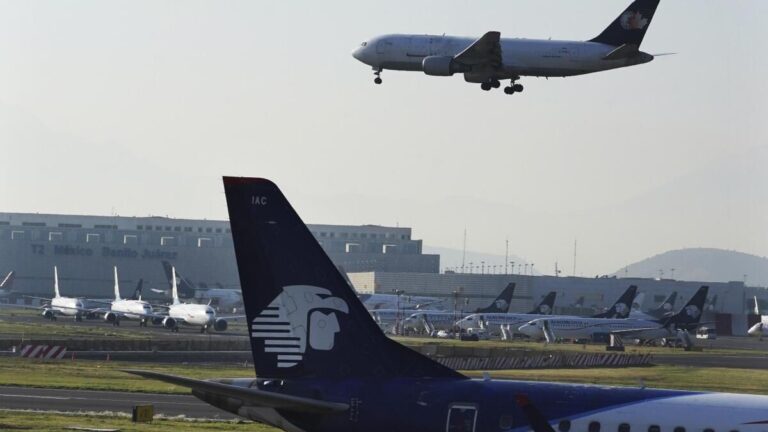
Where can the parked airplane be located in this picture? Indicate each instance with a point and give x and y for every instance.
(502, 302)
(490, 58)
(132, 309)
(192, 314)
(493, 321)
(222, 299)
(392, 301)
(622, 307)
(6, 286)
(60, 305)
(553, 328)
(759, 329)
(666, 308)
(323, 365)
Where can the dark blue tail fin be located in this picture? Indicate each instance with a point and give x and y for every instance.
(305, 320)
(186, 288)
(7, 283)
(689, 316)
(546, 306)
(502, 302)
(623, 305)
(137, 292)
(667, 307)
(630, 27)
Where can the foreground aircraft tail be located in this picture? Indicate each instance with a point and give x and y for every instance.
(689, 316)
(630, 27)
(546, 306)
(174, 287)
(7, 283)
(502, 302)
(623, 305)
(117, 287)
(305, 320)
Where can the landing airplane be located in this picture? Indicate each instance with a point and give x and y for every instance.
(323, 365)
(490, 59)
(223, 299)
(193, 314)
(553, 328)
(6, 286)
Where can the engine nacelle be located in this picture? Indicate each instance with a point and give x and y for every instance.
(110, 317)
(48, 314)
(157, 320)
(220, 324)
(440, 66)
(169, 323)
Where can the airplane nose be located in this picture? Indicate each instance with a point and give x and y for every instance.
(358, 54)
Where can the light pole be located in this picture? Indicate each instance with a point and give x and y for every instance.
(482, 267)
(532, 269)
(398, 320)
(513, 266)
(471, 266)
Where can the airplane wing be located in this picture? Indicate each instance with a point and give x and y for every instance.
(232, 317)
(252, 396)
(485, 51)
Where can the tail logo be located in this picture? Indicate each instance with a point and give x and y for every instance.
(501, 304)
(633, 21)
(300, 316)
(692, 311)
(622, 308)
(544, 309)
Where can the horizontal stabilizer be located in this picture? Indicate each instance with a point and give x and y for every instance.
(252, 396)
(622, 52)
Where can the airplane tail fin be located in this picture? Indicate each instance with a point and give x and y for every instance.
(689, 316)
(502, 302)
(623, 305)
(56, 282)
(174, 286)
(7, 283)
(117, 286)
(546, 306)
(630, 27)
(186, 288)
(137, 292)
(304, 319)
(666, 307)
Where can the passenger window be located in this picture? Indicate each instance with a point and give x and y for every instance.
(624, 427)
(654, 428)
(564, 426)
(505, 422)
(679, 429)
(594, 426)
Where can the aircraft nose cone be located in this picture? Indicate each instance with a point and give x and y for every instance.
(358, 54)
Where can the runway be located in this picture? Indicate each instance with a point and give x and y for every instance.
(28, 398)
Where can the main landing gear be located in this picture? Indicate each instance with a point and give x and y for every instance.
(513, 87)
(494, 83)
(377, 72)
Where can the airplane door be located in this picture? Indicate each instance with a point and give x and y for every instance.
(461, 418)
(418, 46)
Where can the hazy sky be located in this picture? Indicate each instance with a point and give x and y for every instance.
(138, 107)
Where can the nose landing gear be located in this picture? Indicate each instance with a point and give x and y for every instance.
(377, 72)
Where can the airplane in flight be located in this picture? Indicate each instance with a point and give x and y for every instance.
(574, 328)
(323, 365)
(6, 286)
(490, 59)
(223, 299)
(193, 314)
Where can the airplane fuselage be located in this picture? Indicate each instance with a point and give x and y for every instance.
(520, 57)
(487, 405)
(587, 328)
(131, 309)
(193, 314)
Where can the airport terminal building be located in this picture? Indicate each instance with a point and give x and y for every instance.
(85, 248)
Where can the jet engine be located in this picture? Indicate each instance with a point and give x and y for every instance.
(110, 317)
(48, 314)
(157, 320)
(169, 323)
(220, 324)
(441, 66)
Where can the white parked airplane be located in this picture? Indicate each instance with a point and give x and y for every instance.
(759, 329)
(60, 305)
(553, 328)
(490, 58)
(392, 301)
(193, 314)
(134, 309)
(222, 299)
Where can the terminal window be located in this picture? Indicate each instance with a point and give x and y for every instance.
(55, 236)
(92, 238)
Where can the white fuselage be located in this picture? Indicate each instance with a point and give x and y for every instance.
(67, 306)
(760, 329)
(403, 302)
(192, 314)
(587, 328)
(493, 321)
(520, 57)
(131, 309)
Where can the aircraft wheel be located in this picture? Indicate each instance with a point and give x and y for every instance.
(377, 80)
(495, 84)
(518, 88)
(509, 90)
(485, 86)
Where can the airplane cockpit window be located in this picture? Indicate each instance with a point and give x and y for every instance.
(364, 44)
(624, 427)
(594, 426)
(564, 426)
(654, 428)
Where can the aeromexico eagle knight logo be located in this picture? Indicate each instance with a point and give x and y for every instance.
(622, 308)
(501, 304)
(633, 21)
(301, 317)
(692, 311)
